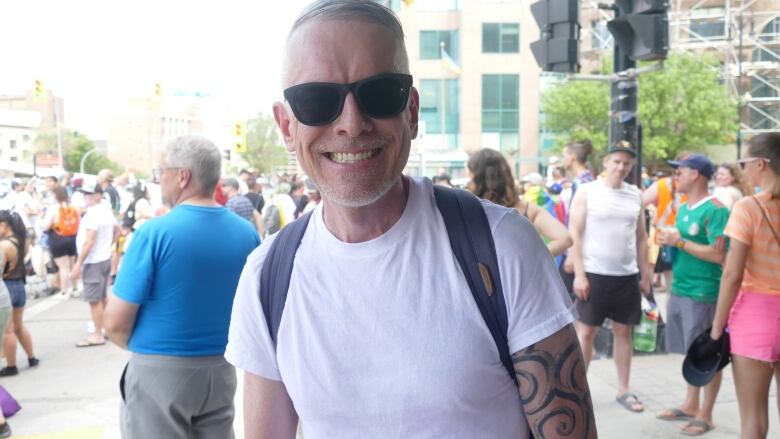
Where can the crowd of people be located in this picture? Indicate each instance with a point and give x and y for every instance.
(347, 306)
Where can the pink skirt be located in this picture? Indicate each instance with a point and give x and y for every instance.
(754, 326)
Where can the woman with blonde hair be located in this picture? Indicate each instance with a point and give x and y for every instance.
(731, 184)
(749, 297)
(492, 180)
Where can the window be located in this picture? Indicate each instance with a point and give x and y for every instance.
(707, 24)
(600, 37)
(500, 37)
(13, 144)
(435, 95)
(431, 41)
(501, 112)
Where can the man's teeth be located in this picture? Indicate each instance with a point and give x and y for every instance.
(348, 157)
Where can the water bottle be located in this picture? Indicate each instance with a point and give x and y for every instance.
(646, 332)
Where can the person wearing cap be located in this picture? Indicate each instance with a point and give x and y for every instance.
(610, 246)
(700, 248)
(749, 299)
(98, 230)
(105, 178)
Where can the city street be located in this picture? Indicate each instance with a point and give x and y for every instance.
(74, 392)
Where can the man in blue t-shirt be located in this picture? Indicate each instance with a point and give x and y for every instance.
(172, 301)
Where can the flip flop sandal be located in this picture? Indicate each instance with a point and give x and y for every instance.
(695, 423)
(676, 415)
(629, 400)
(90, 343)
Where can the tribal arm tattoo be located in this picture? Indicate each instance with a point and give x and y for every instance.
(554, 388)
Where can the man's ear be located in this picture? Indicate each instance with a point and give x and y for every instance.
(283, 121)
(185, 176)
(414, 110)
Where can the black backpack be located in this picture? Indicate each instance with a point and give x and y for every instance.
(471, 241)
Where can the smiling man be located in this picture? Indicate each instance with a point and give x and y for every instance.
(380, 336)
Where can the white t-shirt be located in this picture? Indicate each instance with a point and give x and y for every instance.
(99, 218)
(728, 195)
(383, 338)
(609, 241)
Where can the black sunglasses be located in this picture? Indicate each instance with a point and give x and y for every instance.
(320, 103)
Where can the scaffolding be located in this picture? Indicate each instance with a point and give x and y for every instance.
(744, 34)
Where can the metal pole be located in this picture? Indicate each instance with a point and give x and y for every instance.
(84, 159)
(59, 137)
(739, 90)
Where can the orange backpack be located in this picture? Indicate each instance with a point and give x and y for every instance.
(67, 222)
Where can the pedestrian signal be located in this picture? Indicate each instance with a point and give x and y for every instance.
(239, 135)
(641, 28)
(558, 48)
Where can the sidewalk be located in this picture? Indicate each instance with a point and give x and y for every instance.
(74, 393)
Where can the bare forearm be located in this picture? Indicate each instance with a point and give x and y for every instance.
(729, 287)
(554, 388)
(85, 252)
(704, 252)
(558, 246)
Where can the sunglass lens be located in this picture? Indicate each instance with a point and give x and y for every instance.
(383, 97)
(317, 104)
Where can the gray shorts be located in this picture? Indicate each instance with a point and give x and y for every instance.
(95, 277)
(685, 320)
(177, 397)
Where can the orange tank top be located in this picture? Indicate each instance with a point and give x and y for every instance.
(668, 198)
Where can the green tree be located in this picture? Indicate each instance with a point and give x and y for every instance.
(682, 107)
(74, 146)
(264, 147)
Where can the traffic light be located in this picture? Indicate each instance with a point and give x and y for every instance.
(558, 49)
(641, 28)
(157, 89)
(39, 91)
(239, 135)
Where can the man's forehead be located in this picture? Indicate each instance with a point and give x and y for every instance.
(340, 51)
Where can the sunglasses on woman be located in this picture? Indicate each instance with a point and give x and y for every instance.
(320, 103)
(744, 162)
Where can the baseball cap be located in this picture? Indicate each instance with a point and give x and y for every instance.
(622, 146)
(91, 187)
(705, 358)
(534, 178)
(698, 162)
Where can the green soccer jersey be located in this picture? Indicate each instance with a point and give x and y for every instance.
(702, 224)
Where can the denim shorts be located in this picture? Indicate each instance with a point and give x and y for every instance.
(17, 291)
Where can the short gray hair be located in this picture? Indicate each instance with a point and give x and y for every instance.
(198, 154)
(362, 10)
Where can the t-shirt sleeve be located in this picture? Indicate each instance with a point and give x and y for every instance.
(91, 222)
(717, 225)
(538, 304)
(740, 222)
(134, 280)
(250, 347)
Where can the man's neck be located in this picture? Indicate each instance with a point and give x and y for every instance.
(360, 224)
(612, 182)
(696, 194)
(197, 200)
(577, 169)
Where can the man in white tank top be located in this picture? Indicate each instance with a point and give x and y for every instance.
(610, 246)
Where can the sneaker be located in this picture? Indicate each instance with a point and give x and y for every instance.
(9, 371)
(33, 361)
(5, 430)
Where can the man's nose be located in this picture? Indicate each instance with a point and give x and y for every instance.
(352, 121)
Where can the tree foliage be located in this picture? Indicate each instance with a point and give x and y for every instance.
(682, 107)
(264, 146)
(74, 146)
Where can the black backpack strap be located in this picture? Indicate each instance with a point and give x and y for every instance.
(277, 270)
(472, 243)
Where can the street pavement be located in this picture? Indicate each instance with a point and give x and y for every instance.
(74, 394)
